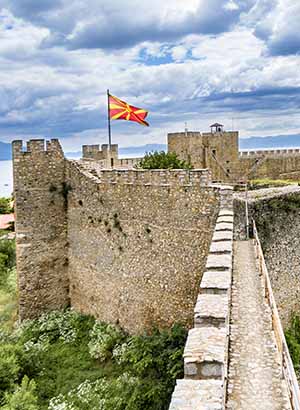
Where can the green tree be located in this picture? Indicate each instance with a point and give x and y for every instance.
(163, 160)
(5, 207)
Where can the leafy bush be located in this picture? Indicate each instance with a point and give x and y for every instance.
(103, 338)
(64, 326)
(292, 335)
(163, 160)
(60, 351)
(5, 207)
(9, 368)
(7, 262)
(23, 398)
(140, 353)
(8, 250)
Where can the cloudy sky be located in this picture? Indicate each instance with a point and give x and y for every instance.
(196, 61)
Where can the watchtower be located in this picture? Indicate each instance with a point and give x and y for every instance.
(216, 150)
(216, 127)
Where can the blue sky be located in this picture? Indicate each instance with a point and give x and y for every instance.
(196, 61)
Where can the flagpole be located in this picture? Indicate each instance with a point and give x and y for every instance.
(108, 122)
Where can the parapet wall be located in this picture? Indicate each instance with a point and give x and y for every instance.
(41, 226)
(273, 152)
(137, 250)
(207, 347)
(179, 177)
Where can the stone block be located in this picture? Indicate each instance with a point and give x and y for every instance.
(204, 353)
(211, 310)
(225, 212)
(222, 236)
(197, 395)
(224, 226)
(225, 219)
(217, 282)
(219, 262)
(221, 247)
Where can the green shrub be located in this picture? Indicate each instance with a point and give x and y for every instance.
(79, 364)
(66, 326)
(9, 368)
(23, 398)
(103, 338)
(123, 393)
(140, 354)
(163, 160)
(5, 207)
(8, 253)
(292, 335)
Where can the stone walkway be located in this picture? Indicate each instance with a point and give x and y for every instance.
(254, 371)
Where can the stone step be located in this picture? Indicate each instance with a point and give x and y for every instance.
(221, 247)
(224, 226)
(197, 395)
(204, 353)
(216, 282)
(222, 236)
(211, 310)
(219, 262)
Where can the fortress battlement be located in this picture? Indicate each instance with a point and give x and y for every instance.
(36, 147)
(162, 177)
(271, 152)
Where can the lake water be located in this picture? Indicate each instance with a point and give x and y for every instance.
(6, 178)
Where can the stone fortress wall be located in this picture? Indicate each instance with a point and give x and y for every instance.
(277, 216)
(218, 150)
(126, 246)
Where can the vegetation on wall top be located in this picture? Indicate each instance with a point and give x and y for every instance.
(163, 160)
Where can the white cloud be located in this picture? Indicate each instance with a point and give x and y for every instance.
(57, 92)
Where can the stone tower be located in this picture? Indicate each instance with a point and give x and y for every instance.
(41, 225)
(216, 150)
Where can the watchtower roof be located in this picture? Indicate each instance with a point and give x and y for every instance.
(216, 124)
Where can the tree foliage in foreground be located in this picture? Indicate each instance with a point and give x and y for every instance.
(65, 360)
(5, 207)
(163, 160)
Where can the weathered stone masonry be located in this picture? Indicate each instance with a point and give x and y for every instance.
(126, 246)
(277, 216)
(41, 226)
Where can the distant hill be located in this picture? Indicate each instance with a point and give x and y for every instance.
(275, 141)
(5, 151)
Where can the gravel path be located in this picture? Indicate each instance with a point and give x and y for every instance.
(254, 372)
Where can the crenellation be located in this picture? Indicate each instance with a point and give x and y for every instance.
(201, 177)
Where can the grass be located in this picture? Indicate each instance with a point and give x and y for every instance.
(270, 183)
(8, 310)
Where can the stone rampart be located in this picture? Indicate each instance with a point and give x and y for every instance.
(172, 177)
(270, 152)
(207, 346)
(41, 226)
(137, 250)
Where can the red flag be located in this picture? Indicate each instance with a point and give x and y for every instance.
(120, 110)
